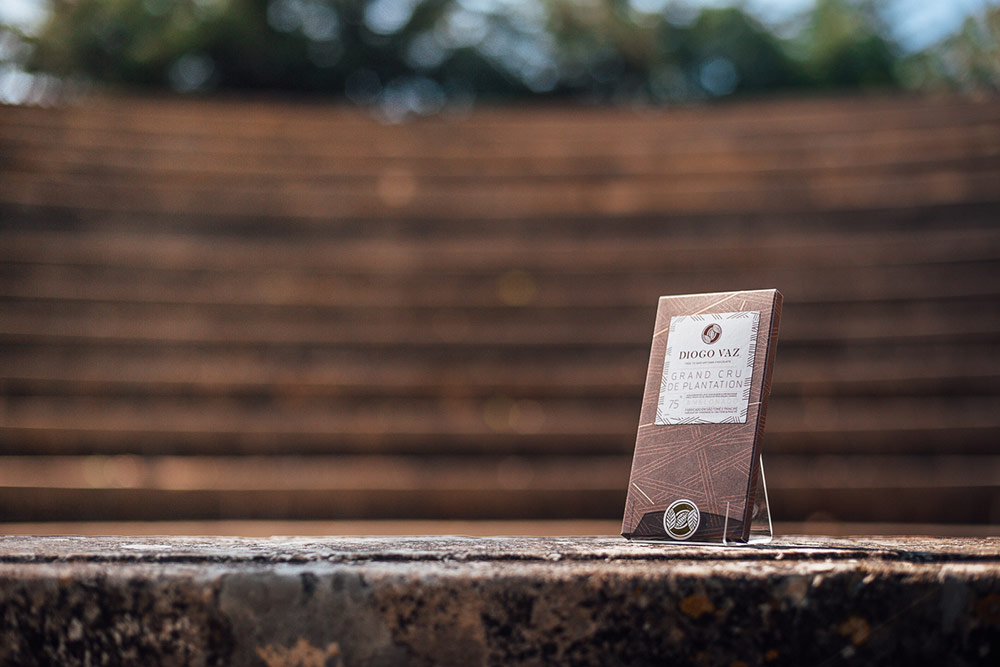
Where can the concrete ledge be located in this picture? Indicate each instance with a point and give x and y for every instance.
(497, 601)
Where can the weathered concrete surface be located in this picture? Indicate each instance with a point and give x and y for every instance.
(497, 601)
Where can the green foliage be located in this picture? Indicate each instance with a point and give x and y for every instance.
(968, 61)
(409, 56)
(756, 57)
(844, 46)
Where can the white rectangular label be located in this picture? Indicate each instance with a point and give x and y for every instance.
(708, 368)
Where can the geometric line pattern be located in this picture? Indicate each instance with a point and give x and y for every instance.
(708, 464)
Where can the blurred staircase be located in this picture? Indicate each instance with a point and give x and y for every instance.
(226, 310)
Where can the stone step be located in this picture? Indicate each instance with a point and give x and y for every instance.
(497, 425)
(494, 254)
(342, 159)
(618, 325)
(421, 372)
(665, 230)
(401, 196)
(295, 288)
(480, 487)
(498, 601)
(256, 120)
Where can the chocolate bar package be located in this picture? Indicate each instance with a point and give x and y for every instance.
(696, 468)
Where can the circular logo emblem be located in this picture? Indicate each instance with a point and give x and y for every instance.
(712, 333)
(681, 519)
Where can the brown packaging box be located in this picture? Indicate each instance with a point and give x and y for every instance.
(681, 460)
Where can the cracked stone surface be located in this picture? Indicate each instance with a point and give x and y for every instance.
(497, 601)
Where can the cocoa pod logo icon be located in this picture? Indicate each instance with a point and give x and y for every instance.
(681, 519)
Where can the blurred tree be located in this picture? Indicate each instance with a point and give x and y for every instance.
(613, 52)
(733, 53)
(968, 61)
(844, 45)
(410, 56)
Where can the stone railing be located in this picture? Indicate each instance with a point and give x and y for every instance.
(497, 601)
